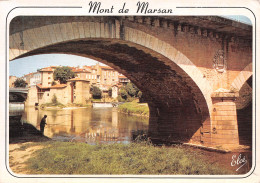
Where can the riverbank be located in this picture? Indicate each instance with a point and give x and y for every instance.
(53, 157)
(134, 108)
(57, 106)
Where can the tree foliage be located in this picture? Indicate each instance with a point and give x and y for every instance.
(19, 82)
(131, 89)
(96, 92)
(139, 94)
(129, 92)
(123, 93)
(63, 74)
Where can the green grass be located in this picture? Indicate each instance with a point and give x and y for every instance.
(135, 158)
(134, 108)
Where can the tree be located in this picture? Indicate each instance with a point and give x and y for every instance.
(123, 93)
(131, 89)
(19, 82)
(139, 95)
(63, 74)
(96, 92)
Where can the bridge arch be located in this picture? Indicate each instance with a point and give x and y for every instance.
(173, 85)
(40, 37)
(242, 77)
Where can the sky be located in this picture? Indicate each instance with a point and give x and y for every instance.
(22, 66)
(242, 19)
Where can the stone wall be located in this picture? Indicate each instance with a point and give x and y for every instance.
(171, 59)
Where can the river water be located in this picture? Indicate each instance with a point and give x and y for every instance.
(90, 125)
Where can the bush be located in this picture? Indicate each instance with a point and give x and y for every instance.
(96, 92)
(120, 99)
(131, 89)
(19, 82)
(123, 93)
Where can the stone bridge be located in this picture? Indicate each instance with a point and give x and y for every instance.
(18, 94)
(195, 72)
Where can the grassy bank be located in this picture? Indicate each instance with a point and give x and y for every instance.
(61, 106)
(134, 108)
(135, 158)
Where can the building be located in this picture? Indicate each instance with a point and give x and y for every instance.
(43, 87)
(47, 76)
(123, 80)
(76, 90)
(35, 79)
(79, 90)
(104, 76)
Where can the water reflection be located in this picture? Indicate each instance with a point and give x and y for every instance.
(91, 125)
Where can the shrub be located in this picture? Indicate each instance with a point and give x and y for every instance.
(96, 92)
(123, 93)
(19, 82)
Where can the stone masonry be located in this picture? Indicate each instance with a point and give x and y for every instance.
(190, 69)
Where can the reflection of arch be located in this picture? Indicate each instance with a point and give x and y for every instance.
(242, 77)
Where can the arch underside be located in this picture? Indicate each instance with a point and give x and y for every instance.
(177, 106)
(244, 113)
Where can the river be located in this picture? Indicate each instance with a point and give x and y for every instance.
(107, 125)
(90, 125)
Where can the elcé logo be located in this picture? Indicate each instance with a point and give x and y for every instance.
(238, 161)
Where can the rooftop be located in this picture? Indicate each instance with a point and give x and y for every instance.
(78, 79)
(54, 86)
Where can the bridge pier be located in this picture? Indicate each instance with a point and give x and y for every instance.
(179, 123)
(224, 126)
(182, 124)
